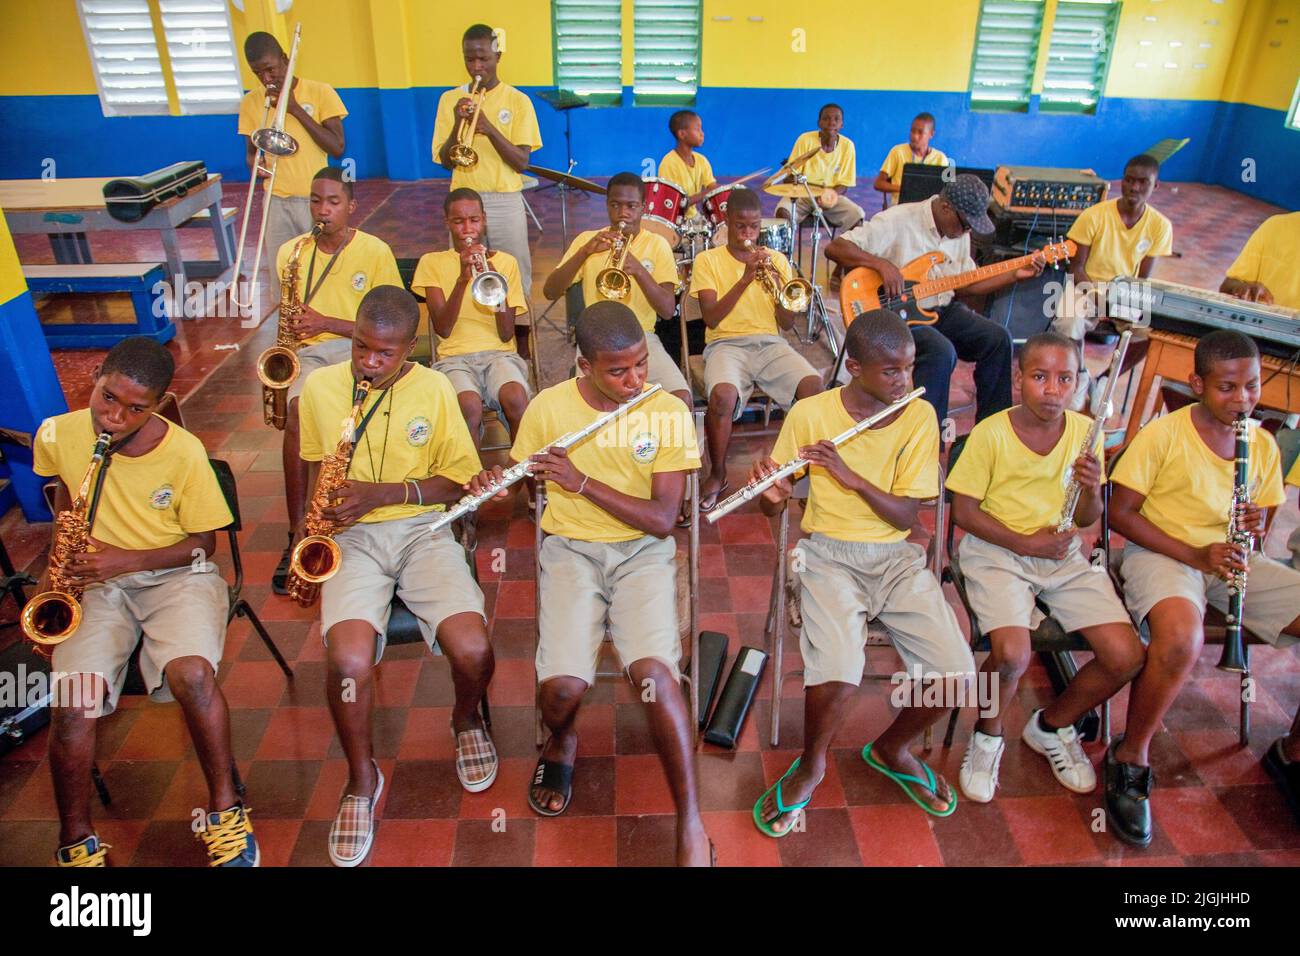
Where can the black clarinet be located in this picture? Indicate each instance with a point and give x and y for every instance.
(1234, 654)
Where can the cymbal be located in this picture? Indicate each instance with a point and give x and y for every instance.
(793, 163)
(793, 191)
(574, 182)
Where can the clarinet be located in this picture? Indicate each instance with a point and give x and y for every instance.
(1234, 653)
(754, 489)
(1073, 490)
(517, 473)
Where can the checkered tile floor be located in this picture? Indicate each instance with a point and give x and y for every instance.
(1213, 803)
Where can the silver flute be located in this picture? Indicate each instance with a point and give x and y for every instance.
(1074, 490)
(517, 473)
(754, 489)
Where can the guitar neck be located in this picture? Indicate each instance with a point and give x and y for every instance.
(932, 287)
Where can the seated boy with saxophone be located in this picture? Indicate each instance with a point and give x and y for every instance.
(1010, 488)
(474, 295)
(152, 506)
(407, 452)
(1172, 500)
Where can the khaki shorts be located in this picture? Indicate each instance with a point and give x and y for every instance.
(1272, 591)
(660, 368)
(843, 215)
(329, 352)
(845, 584)
(182, 613)
(485, 374)
(427, 571)
(1002, 585)
(585, 587)
(745, 361)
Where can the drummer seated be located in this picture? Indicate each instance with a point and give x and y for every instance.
(684, 164)
(743, 321)
(831, 171)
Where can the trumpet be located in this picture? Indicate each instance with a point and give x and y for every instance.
(317, 556)
(272, 140)
(754, 489)
(278, 366)
(1234, 647)
(461, 153)
(53, 616)
(488, 287)
(612, 282)
(794, 296)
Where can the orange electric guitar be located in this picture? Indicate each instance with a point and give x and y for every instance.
(862, 289)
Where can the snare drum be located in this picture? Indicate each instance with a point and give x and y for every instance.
(776, 234)
(714, 204)
(665, 209)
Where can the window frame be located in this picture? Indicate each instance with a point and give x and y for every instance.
(980, 105)
(1046, 104)
(679, 100)
(597, 99)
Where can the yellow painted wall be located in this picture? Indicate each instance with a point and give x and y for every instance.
(1252, 56)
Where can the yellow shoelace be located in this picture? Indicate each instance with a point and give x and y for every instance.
(227, 838)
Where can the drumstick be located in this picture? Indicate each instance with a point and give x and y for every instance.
(794, 163)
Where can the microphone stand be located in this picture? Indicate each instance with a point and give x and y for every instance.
(817, 310)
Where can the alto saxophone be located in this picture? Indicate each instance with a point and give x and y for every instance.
(53, 616)
(316, 557)
(278, 366)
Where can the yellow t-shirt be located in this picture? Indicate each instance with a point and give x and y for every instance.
(508, 110)
(476, 325)
(293, 173)
(153, 501)
(365, 262)
(691, 178)
(900, 156)
(650, 250)
(418, 432)
(755, 313)
(1271, 257)
(656, 436)
(839, 167)
(902, 458)
(1022, 489)
(1188, 487)
(1115, 250)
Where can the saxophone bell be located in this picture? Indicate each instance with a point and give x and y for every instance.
(51, 618)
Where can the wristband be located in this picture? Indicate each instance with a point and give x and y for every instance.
(585, 479)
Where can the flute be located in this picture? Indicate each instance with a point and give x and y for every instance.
(1074, 490)
(754, 489)
(517, 473)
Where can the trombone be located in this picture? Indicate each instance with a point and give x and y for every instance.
(275, 141)
(461, 153)
(488, 287)
(612, 282)
(793, 296)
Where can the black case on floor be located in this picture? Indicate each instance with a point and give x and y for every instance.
(737, 695)
(713, 657)
(24, 701)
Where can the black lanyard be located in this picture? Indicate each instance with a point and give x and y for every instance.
(311, 267)
(97, 493)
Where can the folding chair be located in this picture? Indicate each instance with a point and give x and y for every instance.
(778, 616)
(1048, 640)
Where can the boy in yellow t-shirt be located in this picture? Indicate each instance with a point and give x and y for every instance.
(476, 347)
(743, 343)
(1265, 270)
(608, 560)
(505, 136)
(684, 165)
(648, 263)
(1009, 492)
(410, 455)
(917, 149)
(834, 167)
(314, 118)
(858, 565)
(153, 506)
(1172, 498)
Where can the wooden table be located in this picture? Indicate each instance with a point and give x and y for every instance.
(1172, 356)
(67, 209)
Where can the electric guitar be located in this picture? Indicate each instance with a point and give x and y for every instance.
(862, 290)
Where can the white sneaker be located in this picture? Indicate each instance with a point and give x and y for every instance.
(979, 768)
(1070, 765)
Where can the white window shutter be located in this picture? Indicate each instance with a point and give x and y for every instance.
(124, 53)
(201, 47)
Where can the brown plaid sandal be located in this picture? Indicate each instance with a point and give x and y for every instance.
(476, 759)
(354, 826)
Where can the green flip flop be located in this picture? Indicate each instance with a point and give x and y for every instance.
(905, 780)
(763, 826)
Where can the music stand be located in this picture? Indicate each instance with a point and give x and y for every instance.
(564, 101)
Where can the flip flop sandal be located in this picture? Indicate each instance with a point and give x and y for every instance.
(713, 498)
(766, 828)
(905, 780)
(553, 776)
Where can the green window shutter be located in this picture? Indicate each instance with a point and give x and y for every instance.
(1006, 52)
(666, 52)
(1083, 35)
(588, 48)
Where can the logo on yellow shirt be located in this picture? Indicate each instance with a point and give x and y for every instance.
(359, 281)
(645, 446)
(1143, 244)
(418, 430)
(504, 117)
(647, 265)
(161, 498)
(309, 109)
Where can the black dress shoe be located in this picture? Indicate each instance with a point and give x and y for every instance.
(1285, 774)
(1128, 799)
(280, 579)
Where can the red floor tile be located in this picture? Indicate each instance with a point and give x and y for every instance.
(576, 841)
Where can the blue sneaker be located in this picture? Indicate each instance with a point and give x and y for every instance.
(87, 852)
(229, 839)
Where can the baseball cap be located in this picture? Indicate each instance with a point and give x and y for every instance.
(970, 197)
